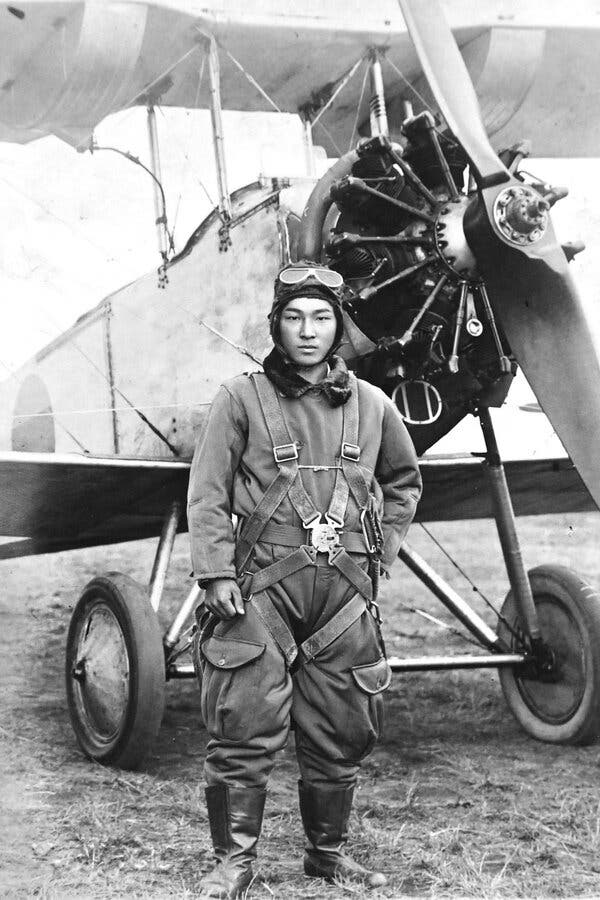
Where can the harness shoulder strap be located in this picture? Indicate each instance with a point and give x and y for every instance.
(284, 484)
(350, 453)
(285, 450)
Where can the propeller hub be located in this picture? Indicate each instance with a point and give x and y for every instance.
(451, 242)
(521, 214)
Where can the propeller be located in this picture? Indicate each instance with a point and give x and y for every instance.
(524, 269)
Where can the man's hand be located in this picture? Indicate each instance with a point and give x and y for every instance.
(223, 598)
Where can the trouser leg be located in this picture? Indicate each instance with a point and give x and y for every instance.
(337, 708)
(245, 702)
(245, 699)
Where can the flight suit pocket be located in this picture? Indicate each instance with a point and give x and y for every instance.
(231, 676)
(371, 679)
(374, 677)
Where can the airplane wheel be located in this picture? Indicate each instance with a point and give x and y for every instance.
(115, 671)
(562, 707)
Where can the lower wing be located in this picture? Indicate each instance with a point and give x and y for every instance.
(51, 502)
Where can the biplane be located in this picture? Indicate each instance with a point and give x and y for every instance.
(454, 279)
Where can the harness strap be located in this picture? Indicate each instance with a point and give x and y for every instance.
(288, 536)
(264, 578)
(256, 522)
(275, 625)
(349, 478)
(284, 449)
(337, 625)
(350, 455)
(355, 575)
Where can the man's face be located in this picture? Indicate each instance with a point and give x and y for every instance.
(307, 330)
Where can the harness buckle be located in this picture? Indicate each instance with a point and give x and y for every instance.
(323, 536)
(351, 452)
(285, 453)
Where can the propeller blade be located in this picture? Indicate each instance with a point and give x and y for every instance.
(524, 269)
(537, 303)
(451, 84)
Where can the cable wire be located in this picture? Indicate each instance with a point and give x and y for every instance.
(469, 580)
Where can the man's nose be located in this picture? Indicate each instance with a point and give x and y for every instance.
(308, 327)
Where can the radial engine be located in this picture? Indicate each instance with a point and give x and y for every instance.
(389, 217)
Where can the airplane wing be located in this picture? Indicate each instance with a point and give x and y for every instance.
(66, 65)
(54, 502)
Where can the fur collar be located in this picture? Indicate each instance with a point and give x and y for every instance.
(335, 386)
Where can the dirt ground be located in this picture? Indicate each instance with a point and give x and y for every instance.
(455, 802)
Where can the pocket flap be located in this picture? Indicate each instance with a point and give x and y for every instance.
(374, 677)
(230, 654)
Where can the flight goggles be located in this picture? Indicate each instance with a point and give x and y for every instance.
(300, 274)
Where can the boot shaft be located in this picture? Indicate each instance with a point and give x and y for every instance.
(235, 816)
(325, 811)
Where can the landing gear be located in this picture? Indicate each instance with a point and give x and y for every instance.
(117, 660)
(115, 671)
(556, 697)
(547, 646)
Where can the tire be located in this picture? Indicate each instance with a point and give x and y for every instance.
(115, 671)
(565, 708)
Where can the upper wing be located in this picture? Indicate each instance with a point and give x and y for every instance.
(63, 501)
(57, 502)
(66, 65)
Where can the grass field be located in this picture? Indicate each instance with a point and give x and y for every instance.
(455, 802)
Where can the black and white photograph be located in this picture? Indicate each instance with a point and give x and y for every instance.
(299, 449)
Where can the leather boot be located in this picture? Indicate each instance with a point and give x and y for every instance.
(235, 817)
(325, 813)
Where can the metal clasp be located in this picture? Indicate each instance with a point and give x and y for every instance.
(323, 537)
(369, 537)
(350, 452)
(285, 453)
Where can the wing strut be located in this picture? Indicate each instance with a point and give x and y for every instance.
(214, 76)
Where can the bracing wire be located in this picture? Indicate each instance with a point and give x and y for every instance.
(250, 79)
(331, 138)
(341, 85)
(358, 108)
(411, 87)
(409, 607)
(468, 579)
(186, 154)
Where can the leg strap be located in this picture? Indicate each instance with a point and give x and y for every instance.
(337, 625)
(353, 572)
(275, 625)
(299, 559)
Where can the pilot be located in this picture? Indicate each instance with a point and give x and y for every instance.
(320, 473)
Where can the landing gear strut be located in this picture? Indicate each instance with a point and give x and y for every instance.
(547, 648)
